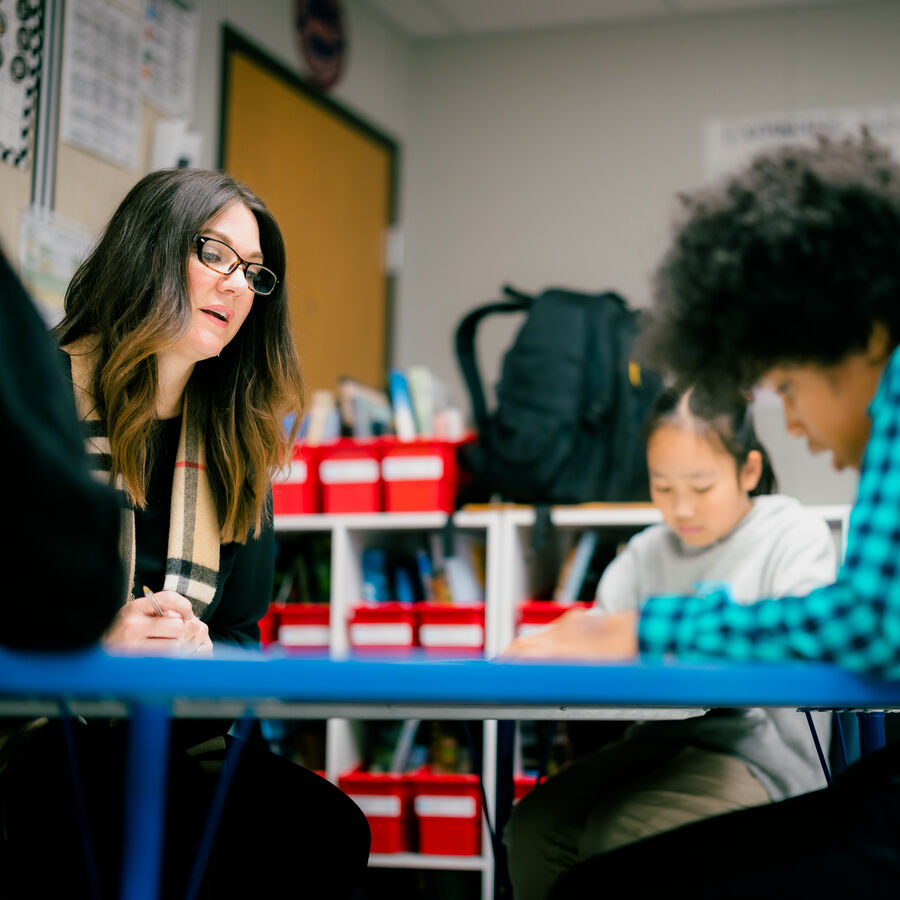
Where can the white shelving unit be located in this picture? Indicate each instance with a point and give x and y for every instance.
(350, 534)
(507, 533)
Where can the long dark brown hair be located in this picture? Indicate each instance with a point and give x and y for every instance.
(130, 296)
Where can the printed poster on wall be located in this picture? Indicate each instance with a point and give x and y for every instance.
(21, 40)
(100, 106)
(732, 142)
(169, 55)
(50, 250)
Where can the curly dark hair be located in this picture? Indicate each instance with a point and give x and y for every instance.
(788, 263)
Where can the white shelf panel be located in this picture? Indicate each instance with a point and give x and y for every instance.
(305, 522)
(427, 861)
(480, 518)
(590, 514)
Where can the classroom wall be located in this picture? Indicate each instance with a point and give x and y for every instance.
(376, 76)
(554, 158)
(542, 158)
(15, 193)
(88, 189)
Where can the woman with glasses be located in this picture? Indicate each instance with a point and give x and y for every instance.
(184, 365)
(184, 368)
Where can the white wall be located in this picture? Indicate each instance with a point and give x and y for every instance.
(555, 157)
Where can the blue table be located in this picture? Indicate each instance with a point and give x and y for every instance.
(151, 688)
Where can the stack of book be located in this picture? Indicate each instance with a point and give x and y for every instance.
(413, 404)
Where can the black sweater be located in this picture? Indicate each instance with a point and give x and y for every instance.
(62, 577)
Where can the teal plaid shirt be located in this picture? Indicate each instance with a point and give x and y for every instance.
(854, 623)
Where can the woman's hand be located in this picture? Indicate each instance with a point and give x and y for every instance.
(195, 641)
(137, 629)
(580, 634)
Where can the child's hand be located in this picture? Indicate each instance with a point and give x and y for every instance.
(580, 634)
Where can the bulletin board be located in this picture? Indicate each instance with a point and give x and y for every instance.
(330, 180)
(21, 47)
(110, 71)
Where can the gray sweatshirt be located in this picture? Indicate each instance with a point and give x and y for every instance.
(778, 549)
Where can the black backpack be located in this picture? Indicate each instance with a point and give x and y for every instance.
(571, 403)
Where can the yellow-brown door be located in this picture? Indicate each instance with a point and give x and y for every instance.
(328, 178)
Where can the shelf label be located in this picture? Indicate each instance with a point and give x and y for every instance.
(381, 634)
(296, 474)
(349, 471)
(303, 635)
(445, 807)
(412, 468)
(386, 806)
(451, 635)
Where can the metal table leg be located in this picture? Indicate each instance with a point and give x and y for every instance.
(506, 735)
(871, 731)
(145, 801)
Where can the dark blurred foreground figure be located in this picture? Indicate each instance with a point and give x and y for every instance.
(788, 276)
(182, 366)
(60, 542)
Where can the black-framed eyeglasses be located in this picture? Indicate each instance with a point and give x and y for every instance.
(218, 256)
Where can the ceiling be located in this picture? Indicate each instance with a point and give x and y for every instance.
(455, 18)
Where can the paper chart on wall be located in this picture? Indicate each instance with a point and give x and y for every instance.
(100, 108)
(21, 40)
(50, 250)
(169, 55)
(729, 143)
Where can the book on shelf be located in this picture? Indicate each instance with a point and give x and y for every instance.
(401, 403)
(403, 749)
(426, 574)
(422, 394)
(303, 570)
(458, 577)
(449, 424)
(574, 568)
(323, 418)
(365, 411)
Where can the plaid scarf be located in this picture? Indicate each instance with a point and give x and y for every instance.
(192, 564)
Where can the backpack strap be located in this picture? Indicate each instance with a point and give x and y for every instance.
(465, 350)
(608, 310)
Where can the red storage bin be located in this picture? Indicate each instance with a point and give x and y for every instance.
(446, 629)
(522, 784)
(534, 614)
(383, 626)
(350, 475)
(386, 801)
(419, 475)
(304, 626)
(447, 809)
(268, 626)
(296, 491)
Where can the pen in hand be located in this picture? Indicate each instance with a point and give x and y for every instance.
(157, 609)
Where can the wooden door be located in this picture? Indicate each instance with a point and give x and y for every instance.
(329, 179)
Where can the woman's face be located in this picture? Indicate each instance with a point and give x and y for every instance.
(220, 303)
(695, 484)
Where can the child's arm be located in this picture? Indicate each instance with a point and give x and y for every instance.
(854, 622)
